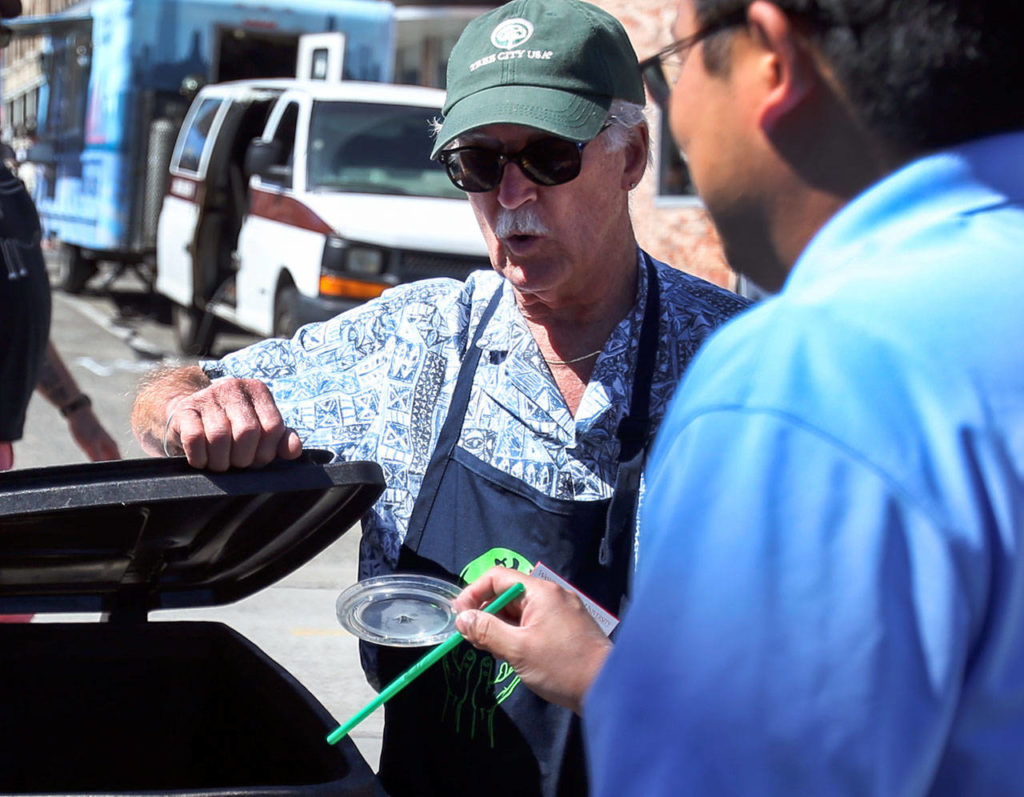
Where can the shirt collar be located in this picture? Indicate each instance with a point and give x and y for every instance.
(958, 181)
(523, 372)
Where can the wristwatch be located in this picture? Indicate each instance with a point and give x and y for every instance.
(76, 404)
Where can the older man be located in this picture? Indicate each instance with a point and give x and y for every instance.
(509, 411)
(841, 613)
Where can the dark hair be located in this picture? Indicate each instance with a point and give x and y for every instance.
(922, 74)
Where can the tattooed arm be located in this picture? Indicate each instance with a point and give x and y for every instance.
(58, 386)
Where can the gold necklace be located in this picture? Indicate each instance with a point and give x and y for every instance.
(574, 359)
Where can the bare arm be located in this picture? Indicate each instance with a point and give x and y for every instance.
(59, 387)
(230, 423)
(158, 394)
(546, 635)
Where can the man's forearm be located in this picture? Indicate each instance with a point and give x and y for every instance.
(157, 393)
(55, 382)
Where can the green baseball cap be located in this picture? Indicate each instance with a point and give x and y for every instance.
(555, 65)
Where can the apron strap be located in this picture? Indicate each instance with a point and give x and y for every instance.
(633, 432)
(450, 430)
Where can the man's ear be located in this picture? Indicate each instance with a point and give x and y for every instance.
(789, 71)
(637, 153)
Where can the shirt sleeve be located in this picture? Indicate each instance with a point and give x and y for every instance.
(328, 344)
(402, 322)
(344, 385)
(798, 625)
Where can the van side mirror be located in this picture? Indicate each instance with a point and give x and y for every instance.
(263, 158)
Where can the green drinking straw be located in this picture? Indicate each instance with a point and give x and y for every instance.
(420, 666)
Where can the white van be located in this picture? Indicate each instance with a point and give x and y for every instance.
(291, 201)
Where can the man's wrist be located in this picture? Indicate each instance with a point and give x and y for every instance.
(80, 402)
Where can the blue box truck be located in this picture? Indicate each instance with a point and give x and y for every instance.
(119, 77)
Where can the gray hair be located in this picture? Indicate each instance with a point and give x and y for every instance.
(622, 118)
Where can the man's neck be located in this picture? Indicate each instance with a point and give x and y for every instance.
(588, 319)
(808, 191)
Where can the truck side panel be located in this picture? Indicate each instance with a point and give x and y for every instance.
(92, 195)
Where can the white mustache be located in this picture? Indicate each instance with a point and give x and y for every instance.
(519, 221)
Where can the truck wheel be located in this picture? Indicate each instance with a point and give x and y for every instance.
(286, 312)
(73, 268)
(194, 330)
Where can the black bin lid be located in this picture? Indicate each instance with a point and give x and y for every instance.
(133, 535)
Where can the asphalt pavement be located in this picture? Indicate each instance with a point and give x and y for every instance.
(109, 339)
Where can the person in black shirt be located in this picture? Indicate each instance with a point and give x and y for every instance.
(27, 359)
(24, 309)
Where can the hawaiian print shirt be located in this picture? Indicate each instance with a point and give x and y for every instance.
(374, 383)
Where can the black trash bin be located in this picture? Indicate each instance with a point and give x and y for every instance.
(126, 706)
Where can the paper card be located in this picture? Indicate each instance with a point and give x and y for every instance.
(606, 620)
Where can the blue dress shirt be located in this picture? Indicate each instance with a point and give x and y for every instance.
(830, 595)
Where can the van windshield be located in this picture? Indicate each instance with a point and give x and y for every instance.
(374, 148)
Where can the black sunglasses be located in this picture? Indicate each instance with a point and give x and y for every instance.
(546, 161)
(652, 68)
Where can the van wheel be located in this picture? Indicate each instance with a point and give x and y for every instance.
(194, 330)
(74, 269)
(286, 312)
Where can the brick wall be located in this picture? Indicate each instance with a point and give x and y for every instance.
(677, 231)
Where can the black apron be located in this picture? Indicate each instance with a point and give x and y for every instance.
(467, 725)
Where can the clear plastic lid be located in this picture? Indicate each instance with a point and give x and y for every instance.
(399, 610)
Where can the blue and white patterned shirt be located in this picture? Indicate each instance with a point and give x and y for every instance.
(375, 383)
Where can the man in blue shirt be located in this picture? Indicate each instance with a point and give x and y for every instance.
(830, 588)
